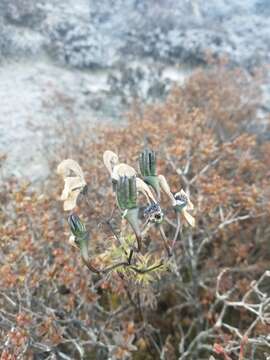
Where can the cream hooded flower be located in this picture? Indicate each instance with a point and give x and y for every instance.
(118, 170)
(180, 201)
(110, 159)
(115, 168)
(74, 182)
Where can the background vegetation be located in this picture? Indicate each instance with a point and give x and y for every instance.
(215, 301)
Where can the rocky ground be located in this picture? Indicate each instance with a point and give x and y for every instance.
(100, 55)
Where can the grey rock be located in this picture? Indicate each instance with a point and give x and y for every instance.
(98, 34)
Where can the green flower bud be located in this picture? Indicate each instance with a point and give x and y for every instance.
(77, 227)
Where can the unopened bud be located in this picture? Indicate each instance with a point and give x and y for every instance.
(77, 227)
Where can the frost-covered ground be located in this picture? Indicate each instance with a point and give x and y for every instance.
(35, 95)
(100, 55)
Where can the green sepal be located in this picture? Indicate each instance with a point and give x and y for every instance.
(132, 216)
(179, 208)
(181, 203)
(83, 245)
(126, 193)
(153, 182)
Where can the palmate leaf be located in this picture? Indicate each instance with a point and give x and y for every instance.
(118, 252)
(150, 268)
(147, 163)
(148, 169)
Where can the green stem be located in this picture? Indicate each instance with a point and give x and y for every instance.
(144, 271)
(85, 256)
(177, 231)
(115, 266)
(164, 238)
(154, 183)
(132, 217)
(130, 256)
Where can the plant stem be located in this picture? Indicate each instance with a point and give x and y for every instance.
(177, 231)
(164, 238)
(144, 271)
(132, 218)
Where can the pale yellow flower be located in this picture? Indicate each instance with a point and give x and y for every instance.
(122, 170)
(166, 188)
(145, 189)
(74, 182)
(115, 168)
(110, 159)
(180, 201)
(118, 170)
(72, 241)
(181, 198)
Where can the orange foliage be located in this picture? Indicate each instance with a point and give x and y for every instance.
(200, 135)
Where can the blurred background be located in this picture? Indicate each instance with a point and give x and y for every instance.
(90, 60)
(189, 79)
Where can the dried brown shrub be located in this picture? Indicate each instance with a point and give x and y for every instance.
(50, 304)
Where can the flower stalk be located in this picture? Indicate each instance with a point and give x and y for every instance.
(126, 193)
(81, 238)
